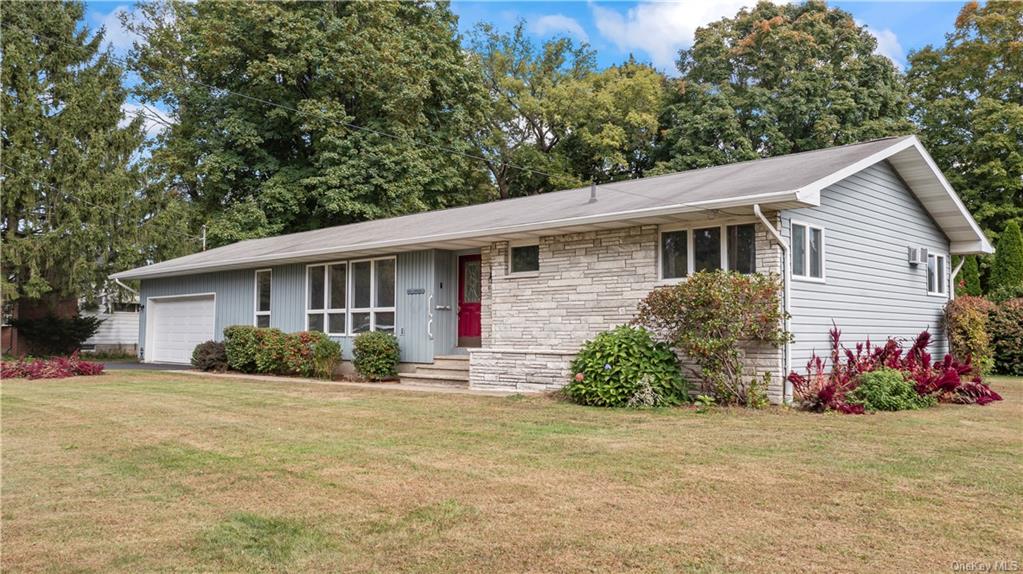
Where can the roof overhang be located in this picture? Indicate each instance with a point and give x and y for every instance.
(917, 169)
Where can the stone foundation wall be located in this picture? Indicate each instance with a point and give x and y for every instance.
(533, 324)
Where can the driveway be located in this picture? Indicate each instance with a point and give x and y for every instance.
(125, 365)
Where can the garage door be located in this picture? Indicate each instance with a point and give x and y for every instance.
(174, 326)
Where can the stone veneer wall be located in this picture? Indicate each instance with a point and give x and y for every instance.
(533, 324)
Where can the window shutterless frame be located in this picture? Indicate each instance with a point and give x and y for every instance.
(374, 307)
(690, 229)
(257, 312)
(512, 246)
(326, 310)
(937, 275)
(807, 262)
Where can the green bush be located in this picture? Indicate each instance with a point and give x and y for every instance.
(376, 355)
(1007, 269)
(1005, 293)
(1006, 327)
(274, 347)
(52, 335)
(325, 354)
(210, 356)
(241, 343)
(887, 390)
(966, 321)
(969, 278)
(625, 367)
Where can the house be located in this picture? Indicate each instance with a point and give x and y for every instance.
(861, 234)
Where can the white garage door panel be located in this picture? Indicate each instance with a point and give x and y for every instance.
(177, 325)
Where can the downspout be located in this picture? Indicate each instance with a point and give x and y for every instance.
(786, 395)
(952, 280)
(126, 288)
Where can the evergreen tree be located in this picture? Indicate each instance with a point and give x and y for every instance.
(969, 278)
(1007, 269)
(72, 207)
(778, 79)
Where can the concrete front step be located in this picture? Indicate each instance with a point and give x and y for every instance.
(456, 374)
(459, 362)
(439, 380)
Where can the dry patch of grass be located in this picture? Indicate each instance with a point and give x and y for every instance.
(160, 472)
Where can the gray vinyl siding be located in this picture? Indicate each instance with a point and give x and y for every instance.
(234, 297)
(870, 290)
(235, 303)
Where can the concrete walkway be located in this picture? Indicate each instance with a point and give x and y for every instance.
(412, 387)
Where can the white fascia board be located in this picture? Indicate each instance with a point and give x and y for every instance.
(495, 232)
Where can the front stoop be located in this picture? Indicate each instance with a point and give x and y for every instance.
(446, 370)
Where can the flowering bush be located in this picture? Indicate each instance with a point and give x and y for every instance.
(52, 368)
(625, 367)
(822, 389)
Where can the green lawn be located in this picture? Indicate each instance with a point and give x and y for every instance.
(137, 471)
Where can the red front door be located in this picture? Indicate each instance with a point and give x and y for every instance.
(470, 291)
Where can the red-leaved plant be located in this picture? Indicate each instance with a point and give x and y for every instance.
(821, 390)
(52, 368)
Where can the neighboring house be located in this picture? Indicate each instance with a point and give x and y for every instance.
(520, 284)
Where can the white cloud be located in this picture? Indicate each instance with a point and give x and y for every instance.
(116, 35)
(154, 119)
(888, 45)
(553, 23)
(660, 30)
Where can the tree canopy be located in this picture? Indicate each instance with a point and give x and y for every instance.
(779, 79)
(968, 102)
(74, 209)
(395, 70)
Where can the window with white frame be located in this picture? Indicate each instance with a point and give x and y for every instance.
(807, 251)
(263, 283)
(372, 303)
(327, 298)
(936, 274)
(687, 251)
(524, 258)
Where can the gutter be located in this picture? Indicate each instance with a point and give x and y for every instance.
(952, 279)
(786, 393)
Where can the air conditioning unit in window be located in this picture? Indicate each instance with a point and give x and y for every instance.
(917, 255)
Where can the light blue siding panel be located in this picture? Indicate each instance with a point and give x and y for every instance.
(870, 220)
(446, 297)
(287, 298)
(235, 292)
(413, 288)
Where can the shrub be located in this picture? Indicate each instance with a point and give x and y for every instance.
(1006, 293)
(272, 351)
(966, 321)
(709, 318)
(52, 335)
(626, 367)
(823, 389)
(1006, 327)
(326, 354)
(887, 390)
(53, 368)
(210, 356)
(969, 278)
(241, 344)
(1007, 269)
(376, 355)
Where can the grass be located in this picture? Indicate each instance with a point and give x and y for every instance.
(150, 471)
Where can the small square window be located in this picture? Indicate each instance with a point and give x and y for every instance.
(707, 249)
(807, 251)
(525, 259)
(674, 254)
(936, 274)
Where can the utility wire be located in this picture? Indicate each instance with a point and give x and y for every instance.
(79, 199)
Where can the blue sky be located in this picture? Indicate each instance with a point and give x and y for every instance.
(652, 31)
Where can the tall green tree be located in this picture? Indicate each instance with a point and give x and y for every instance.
(779, 79)
(968, 101)
(73, 209)
(536, 94)
(1007, 268)
(394, 69)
